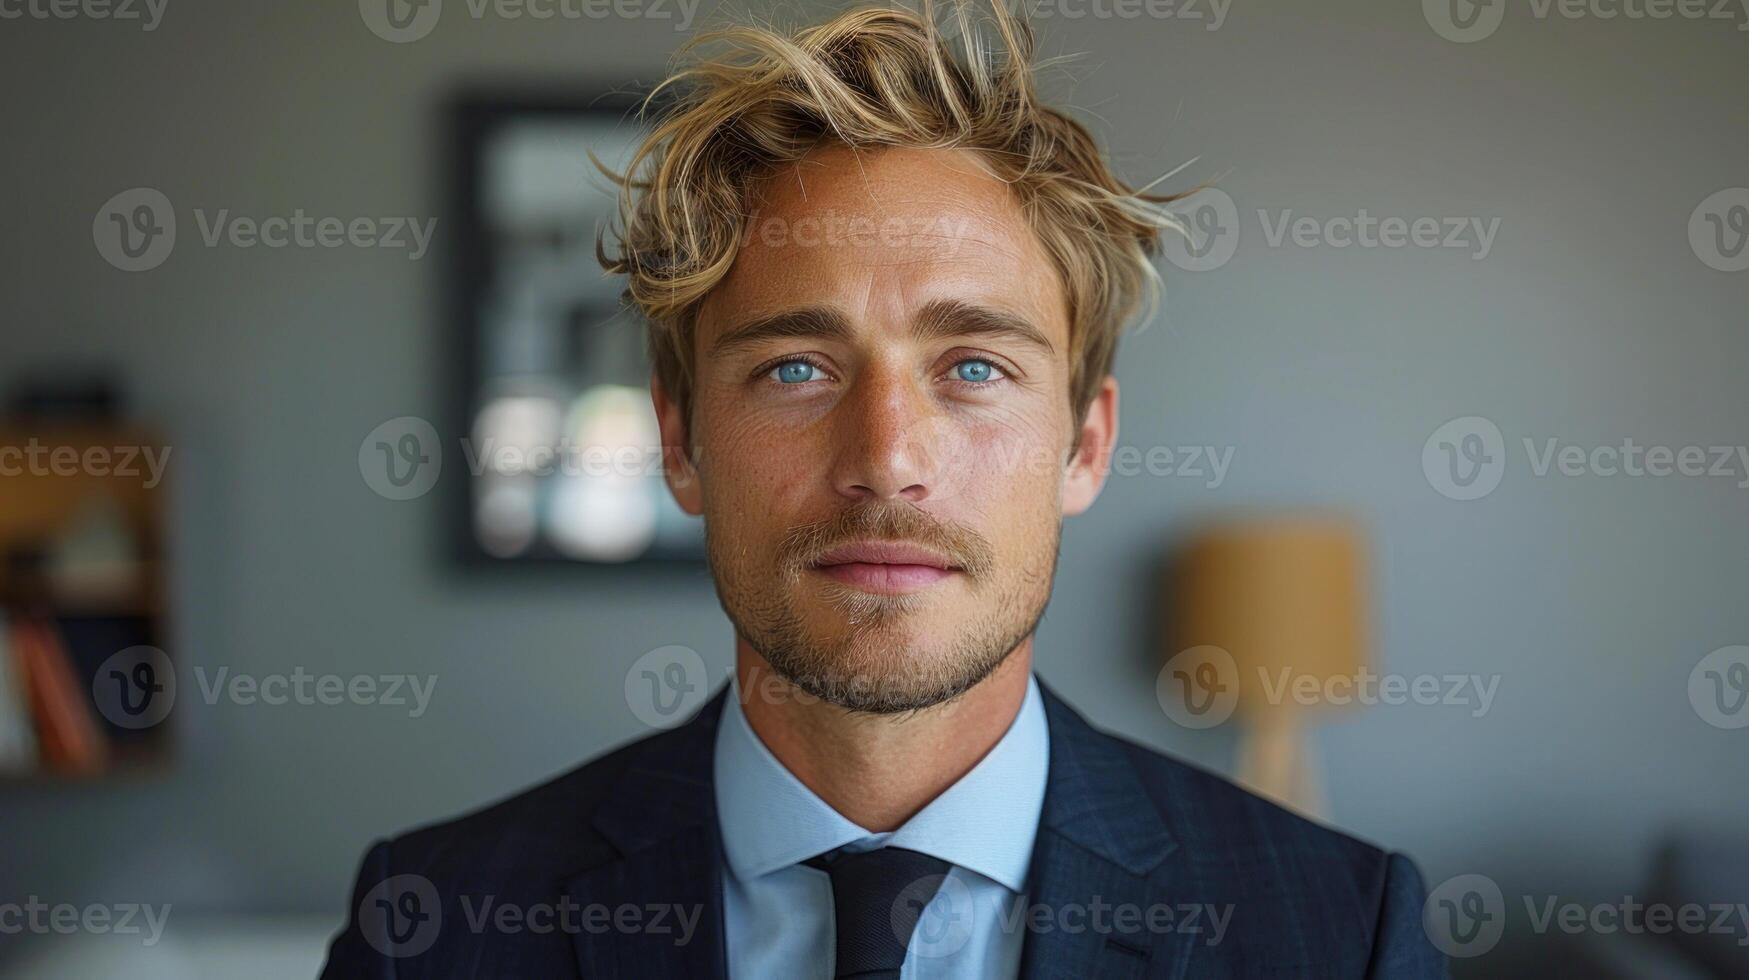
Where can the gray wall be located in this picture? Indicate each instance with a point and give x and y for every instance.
(1325, 369)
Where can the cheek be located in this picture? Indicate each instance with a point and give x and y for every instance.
(1008, 470)
(1012, 494)
(1024, 448)
(757, 467)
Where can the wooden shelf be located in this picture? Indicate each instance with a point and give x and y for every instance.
(57, 474)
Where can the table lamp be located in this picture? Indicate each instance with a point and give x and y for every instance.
(1286, 598)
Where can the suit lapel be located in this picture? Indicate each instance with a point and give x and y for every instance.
(658, 907)
(1101, 846)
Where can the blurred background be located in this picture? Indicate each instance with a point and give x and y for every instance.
(1472, 287)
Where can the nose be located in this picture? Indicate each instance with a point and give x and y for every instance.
(888, 433)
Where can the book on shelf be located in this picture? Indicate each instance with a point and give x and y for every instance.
(18, 749)
(67, 728)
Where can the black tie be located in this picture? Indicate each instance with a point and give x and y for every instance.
(877, 898)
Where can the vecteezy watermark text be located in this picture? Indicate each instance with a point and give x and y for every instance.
(834, 229)
(1200, 687)
(403, 915)
(485, 913)
(401, 459)
(1365, 230)
(135, 230)
(1467, 21)
(1465, 916)
(1212, 222)
(149, 13)
(1466, 458)
(35, 916)
(35, 458)
(1212, 13)
(304, 688)
(404, 21)
(1207, 463)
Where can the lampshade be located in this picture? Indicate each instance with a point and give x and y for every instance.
(1280, 594)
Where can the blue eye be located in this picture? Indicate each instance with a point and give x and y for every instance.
(974, 370)
(794, 372)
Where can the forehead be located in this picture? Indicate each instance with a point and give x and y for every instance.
(882, 234)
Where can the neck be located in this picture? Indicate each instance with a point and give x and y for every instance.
(879, 770)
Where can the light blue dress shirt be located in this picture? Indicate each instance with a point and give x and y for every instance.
(778, 912)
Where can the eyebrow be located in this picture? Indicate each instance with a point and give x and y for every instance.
(810, 321)
(937, 320)
(957, 318)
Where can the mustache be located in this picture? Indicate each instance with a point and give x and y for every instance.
(802, 544)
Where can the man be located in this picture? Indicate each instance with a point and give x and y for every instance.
(884, 287)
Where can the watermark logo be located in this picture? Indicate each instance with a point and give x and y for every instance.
(1718, 688)
(934, 916)
(1465, 458)
(1464, 21)
(934, 444)
(404, 21)
(938, 448)
(1199, 687)
(1718, 230)
(400, 21)
(401, 916)
(666, 685)
(135, 688)
(1465, 916)
(1211, 231)
(401, 458)
(135, 230)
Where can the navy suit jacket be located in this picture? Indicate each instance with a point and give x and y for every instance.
(597, 872)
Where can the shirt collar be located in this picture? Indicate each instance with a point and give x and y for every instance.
(985, 823)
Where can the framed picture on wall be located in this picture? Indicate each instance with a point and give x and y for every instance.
(561, 460)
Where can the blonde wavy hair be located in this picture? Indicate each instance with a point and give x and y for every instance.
(745, 101)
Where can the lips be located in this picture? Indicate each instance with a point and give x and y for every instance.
(893, 567)
(885, 553)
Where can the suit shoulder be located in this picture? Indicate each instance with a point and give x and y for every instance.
(1226, 823)
(1300, 896)
(538, 825)
(1346, 901)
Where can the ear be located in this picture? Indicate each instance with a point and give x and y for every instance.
(677, 462)
(1092, 456)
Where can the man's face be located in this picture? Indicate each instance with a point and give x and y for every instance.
(881, 427)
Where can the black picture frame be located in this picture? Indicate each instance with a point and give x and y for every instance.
(472, 118)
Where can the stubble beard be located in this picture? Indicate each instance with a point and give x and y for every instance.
(874, 664)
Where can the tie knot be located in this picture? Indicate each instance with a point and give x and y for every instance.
(877, 898)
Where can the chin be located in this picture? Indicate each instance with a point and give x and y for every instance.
(883, 669)
(883, 690)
